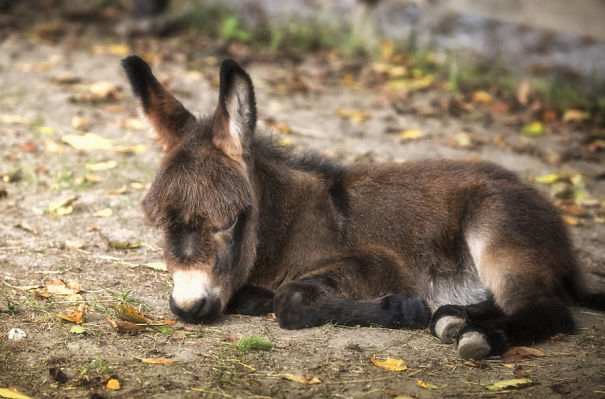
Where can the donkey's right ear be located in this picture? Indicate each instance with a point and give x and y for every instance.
(169, 118)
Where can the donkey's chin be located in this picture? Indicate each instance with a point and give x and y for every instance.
(203, 310)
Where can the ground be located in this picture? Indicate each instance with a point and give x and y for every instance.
(319, 103)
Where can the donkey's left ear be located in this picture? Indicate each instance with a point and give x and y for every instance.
(235, 116)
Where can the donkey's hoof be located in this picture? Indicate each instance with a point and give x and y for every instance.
(473, 344)
(446, 328)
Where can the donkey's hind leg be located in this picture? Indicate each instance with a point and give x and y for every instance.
(337, 291)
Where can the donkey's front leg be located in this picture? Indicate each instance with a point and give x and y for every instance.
(310, 302)
(251, 300)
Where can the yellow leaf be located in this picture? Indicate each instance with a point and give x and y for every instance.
(103, 89)
(46, 130)
(426, 385)
(410, 134)
(119, 191)
(547, 179)
(14, 119)
(134, 124)
(570, 221)
(118, 49)
(137, 185)
(77, 316)
(482, 97)
(133, 149)
(161, 266)
(103, 213)
(574, 115)
(128, 313)
(63, 206)
(301, 378)
(87, 142)
(12, 393)
(352, 114)
(508, 384)
(101, 165)
(533, 129)
(52, 146)
(113, 384)
(390, 364)
(157, 361)
(80, 123)
(92, 178)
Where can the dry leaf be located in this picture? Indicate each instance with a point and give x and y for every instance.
(113, 384)
(533, 129)
(574, 115)
(520, 352)
(482, 97)
(133, 123)
(523, 92)
(95, 167)
(124, 245)
(508, 384)
(126, 312)
(230, 337)
(46, 130)
(77, 316)
(59, 287)
(74, 244)
(390, 364)
(80, 123)
(103, 213)
(132, 149)
(14, 119)
(158, 361)
(137, 186)
(12, 393)
(52, 146)
(126, 327)
(426, 385)
(87, 141)
(410, 134)
(301, 378)
(352, 114)
(570, 220)
(63, 206)
(520, 373)
(161, 266)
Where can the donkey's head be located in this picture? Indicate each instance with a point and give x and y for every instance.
(202, 197)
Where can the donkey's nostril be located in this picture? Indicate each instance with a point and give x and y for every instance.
(198, 311)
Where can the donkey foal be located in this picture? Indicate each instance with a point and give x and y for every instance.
(251, 227)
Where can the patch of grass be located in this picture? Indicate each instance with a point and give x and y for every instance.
(13, 307)
(97, 367)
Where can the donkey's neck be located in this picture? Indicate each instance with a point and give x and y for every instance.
(302, 189)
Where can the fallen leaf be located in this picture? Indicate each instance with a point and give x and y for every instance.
(14, 119)
(92, 178)
(389, 364)
(301, 378)
(157, 361)
(137, 186)
(574, 115)
(520, 373)
(352, 114)
(87, 141)
(113, 384)
(128, 313)
(508, 384)
(523, 92)
(426, 385)
(103, 213)
(482, 97)
(126, 327)
(161, 266)
(59, 287)
(29, 146)
(230, 337)
(533, 129)
(77, 329)
(570, 220)
(521, 352)
(12, 393)
(77, 316)
(133, 123)
(25, 226)
(132, 149)
(549, 178)
(95, 167)
(46, 130)
(410, 134)
(254, 343)
(52, 146)
(124, 245)
(80, 123)
(572, 208)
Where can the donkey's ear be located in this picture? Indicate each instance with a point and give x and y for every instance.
(235, 116)
(169, 118)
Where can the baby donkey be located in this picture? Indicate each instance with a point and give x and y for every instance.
(252, 227)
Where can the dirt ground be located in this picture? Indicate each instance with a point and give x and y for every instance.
(313, 104)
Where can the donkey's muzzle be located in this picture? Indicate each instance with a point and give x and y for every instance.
(202, 310)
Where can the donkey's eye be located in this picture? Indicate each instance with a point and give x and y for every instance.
(227, 227)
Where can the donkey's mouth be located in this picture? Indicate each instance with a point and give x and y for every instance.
(203, 310)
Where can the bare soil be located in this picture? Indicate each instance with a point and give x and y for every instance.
(40, 83)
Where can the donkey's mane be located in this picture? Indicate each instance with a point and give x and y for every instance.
(269, 147)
